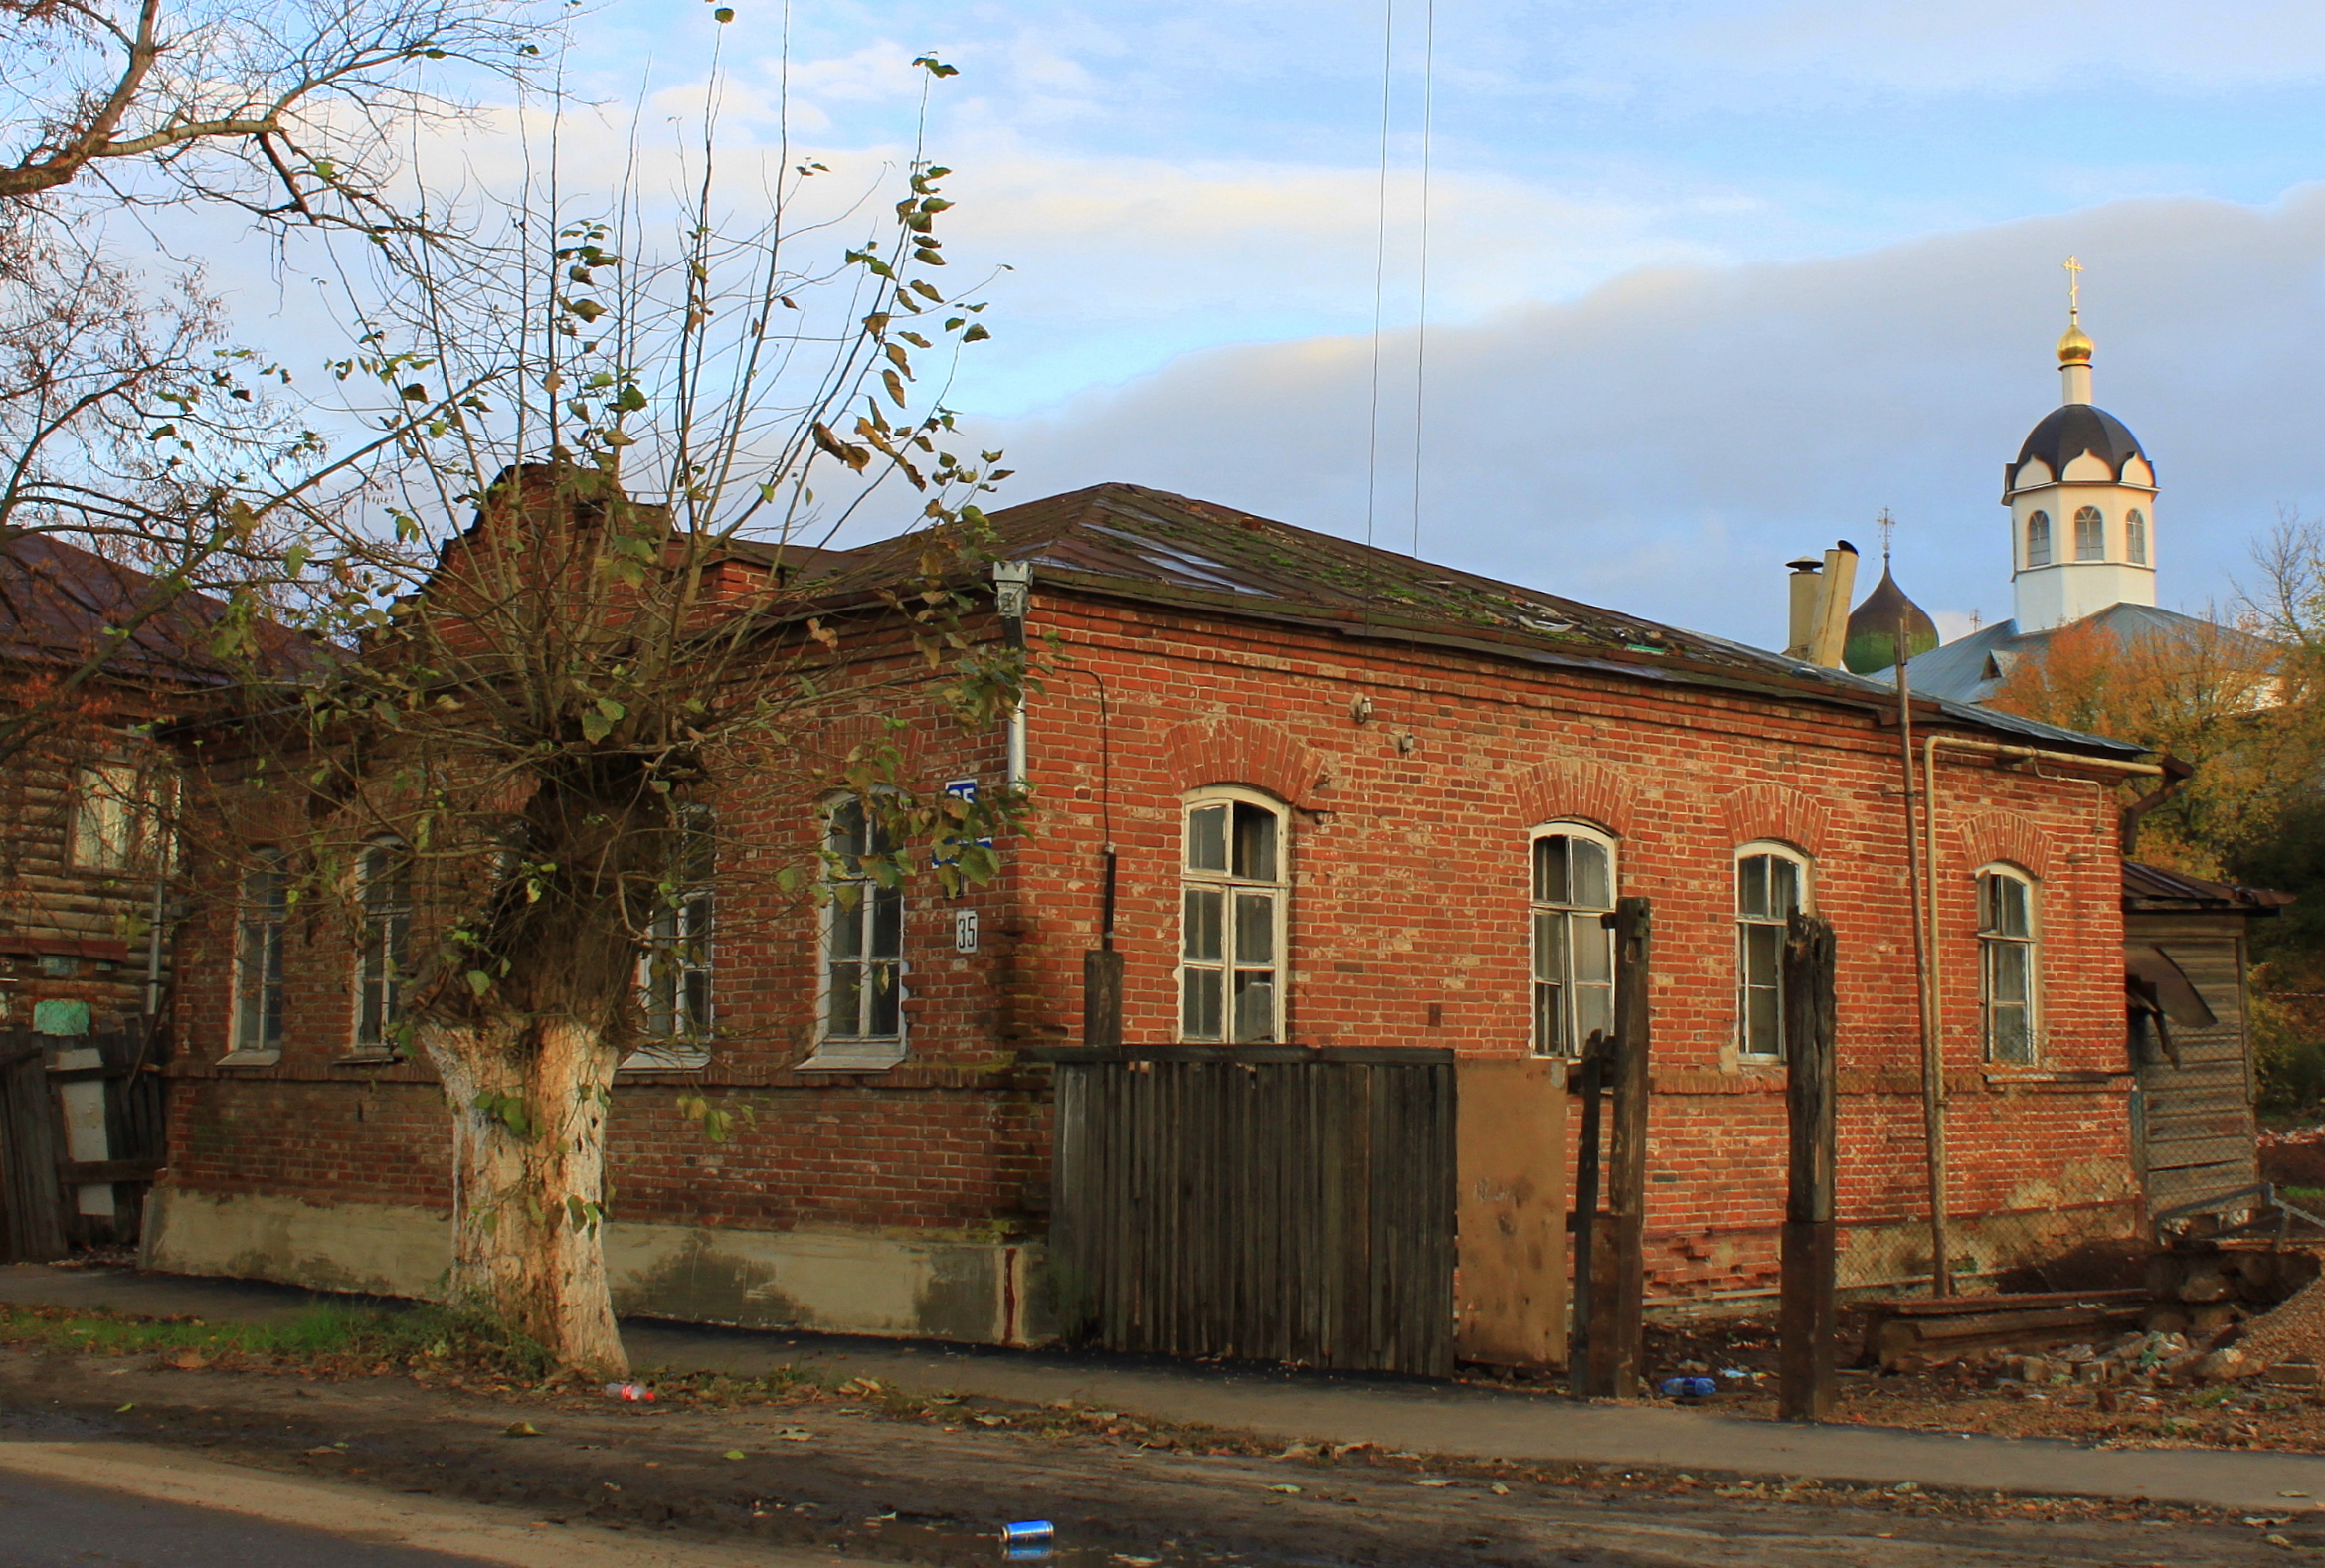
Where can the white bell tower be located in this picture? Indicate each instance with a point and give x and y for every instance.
(2081, 498)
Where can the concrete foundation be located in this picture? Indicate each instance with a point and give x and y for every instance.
(984, 1293)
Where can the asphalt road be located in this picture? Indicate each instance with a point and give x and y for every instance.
(46, 1523)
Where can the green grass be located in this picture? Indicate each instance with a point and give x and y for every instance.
(419, 1336)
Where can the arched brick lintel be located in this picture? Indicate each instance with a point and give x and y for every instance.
(1988, 836)
(1245, 752)
(1767, 810)
(1575, 791)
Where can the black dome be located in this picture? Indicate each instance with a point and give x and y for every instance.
(2067, 432)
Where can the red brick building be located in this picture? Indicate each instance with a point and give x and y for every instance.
(1350, 800)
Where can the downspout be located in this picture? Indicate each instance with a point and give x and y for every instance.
(1012, 598)
(2176, 774)
(1928, 921)
(1924, 973)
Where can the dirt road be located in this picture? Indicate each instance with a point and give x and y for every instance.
(813, 1472)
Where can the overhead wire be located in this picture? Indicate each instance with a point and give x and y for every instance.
(1421, 329)
(1380, 269)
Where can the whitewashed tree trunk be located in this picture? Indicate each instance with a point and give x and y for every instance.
(527, 1242)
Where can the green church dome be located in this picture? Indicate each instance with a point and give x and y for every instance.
(1871, 644)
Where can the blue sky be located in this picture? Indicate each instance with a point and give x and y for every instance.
(1712, 281)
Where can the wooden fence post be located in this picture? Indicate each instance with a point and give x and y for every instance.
(1590, 1078)
(1616, 1324)
(1809, 1321)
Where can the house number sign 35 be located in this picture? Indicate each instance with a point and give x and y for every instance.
(965, 931)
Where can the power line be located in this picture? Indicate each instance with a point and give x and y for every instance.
(1379, 268)
(1421, 332)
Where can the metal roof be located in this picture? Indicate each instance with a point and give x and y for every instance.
(1133, 542)
(2147, 887)
(61, 605)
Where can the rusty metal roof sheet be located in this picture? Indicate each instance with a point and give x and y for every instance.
(2149, 887)
(1128, 540)
(60, 605)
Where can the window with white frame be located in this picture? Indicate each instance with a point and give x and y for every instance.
(863, 930)
(2090, 534)
(2135, 536)
(674, 970)
(2039, 539)
(383, 956)
(1573, 947)
(2008, 962)
(109, 817)
(258, 957)
(1234, 899)
(1771, 886)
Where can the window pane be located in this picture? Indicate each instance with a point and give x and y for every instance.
(887, 922)
(2135, 536)
(845, 1002)
(1594, 1011)
(1255, 928)
(1547, 1037)
(1550, 946)
(2013, 1041)
(2006, 968)
(1549, 869)
(1588, 881)
(1206, 920)
(1199, 1006)
(1255, 1005)
(1763, 1024)
(2090, 535)
(2039, 539)
(1206, 838)
(1593, 947)
(1783, 888)
(846, 924)
(884, 1001)
(1751, 885)
(1255, 842)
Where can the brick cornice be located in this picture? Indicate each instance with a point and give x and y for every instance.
(1772, 812)
(1237, 751)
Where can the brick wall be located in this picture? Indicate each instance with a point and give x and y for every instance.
(1408, 926)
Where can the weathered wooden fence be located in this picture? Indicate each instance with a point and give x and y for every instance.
(1258, 1203)
(41, 1202)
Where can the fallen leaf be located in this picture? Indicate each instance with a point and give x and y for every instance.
(125, 1409)
(795, 1434)
(189, 1360)
(521, 1429)
(733, 1453)
(1501, 1490)
(1283, 1489)
(1434, 1480)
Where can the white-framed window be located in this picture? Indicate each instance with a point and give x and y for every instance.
(2135, 536)
(1234, 909)
(2008, 961)
(258, 957)
(1773, 884)
(109, 816)
(2090, 534)
(383, 952)
(862, 981)
(1573, 947)
(674, 968)
(2039, 539)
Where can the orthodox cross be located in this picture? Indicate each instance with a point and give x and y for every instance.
(2073, 285)
(1888, 526)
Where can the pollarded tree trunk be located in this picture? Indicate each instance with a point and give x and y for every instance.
(529, 1098)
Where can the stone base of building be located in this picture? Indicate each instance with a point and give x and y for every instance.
(982, 1293)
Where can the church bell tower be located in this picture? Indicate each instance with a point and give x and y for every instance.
(2081, 498)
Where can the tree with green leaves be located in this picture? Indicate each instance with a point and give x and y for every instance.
(595, 606)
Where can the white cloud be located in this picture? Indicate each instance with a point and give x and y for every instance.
(1664, 444)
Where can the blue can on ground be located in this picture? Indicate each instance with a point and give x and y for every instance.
(1028, 1533)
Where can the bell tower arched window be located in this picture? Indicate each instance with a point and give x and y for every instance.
(2090, 534)
(2039, 539)
(2135, 536)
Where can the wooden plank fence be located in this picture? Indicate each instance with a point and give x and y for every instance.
(1258, 1203)
(41, 1216)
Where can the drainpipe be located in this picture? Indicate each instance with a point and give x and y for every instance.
(1932, 1056)
(1934, 1081)
(1013, 597)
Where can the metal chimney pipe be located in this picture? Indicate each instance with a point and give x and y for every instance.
(1805, 583)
